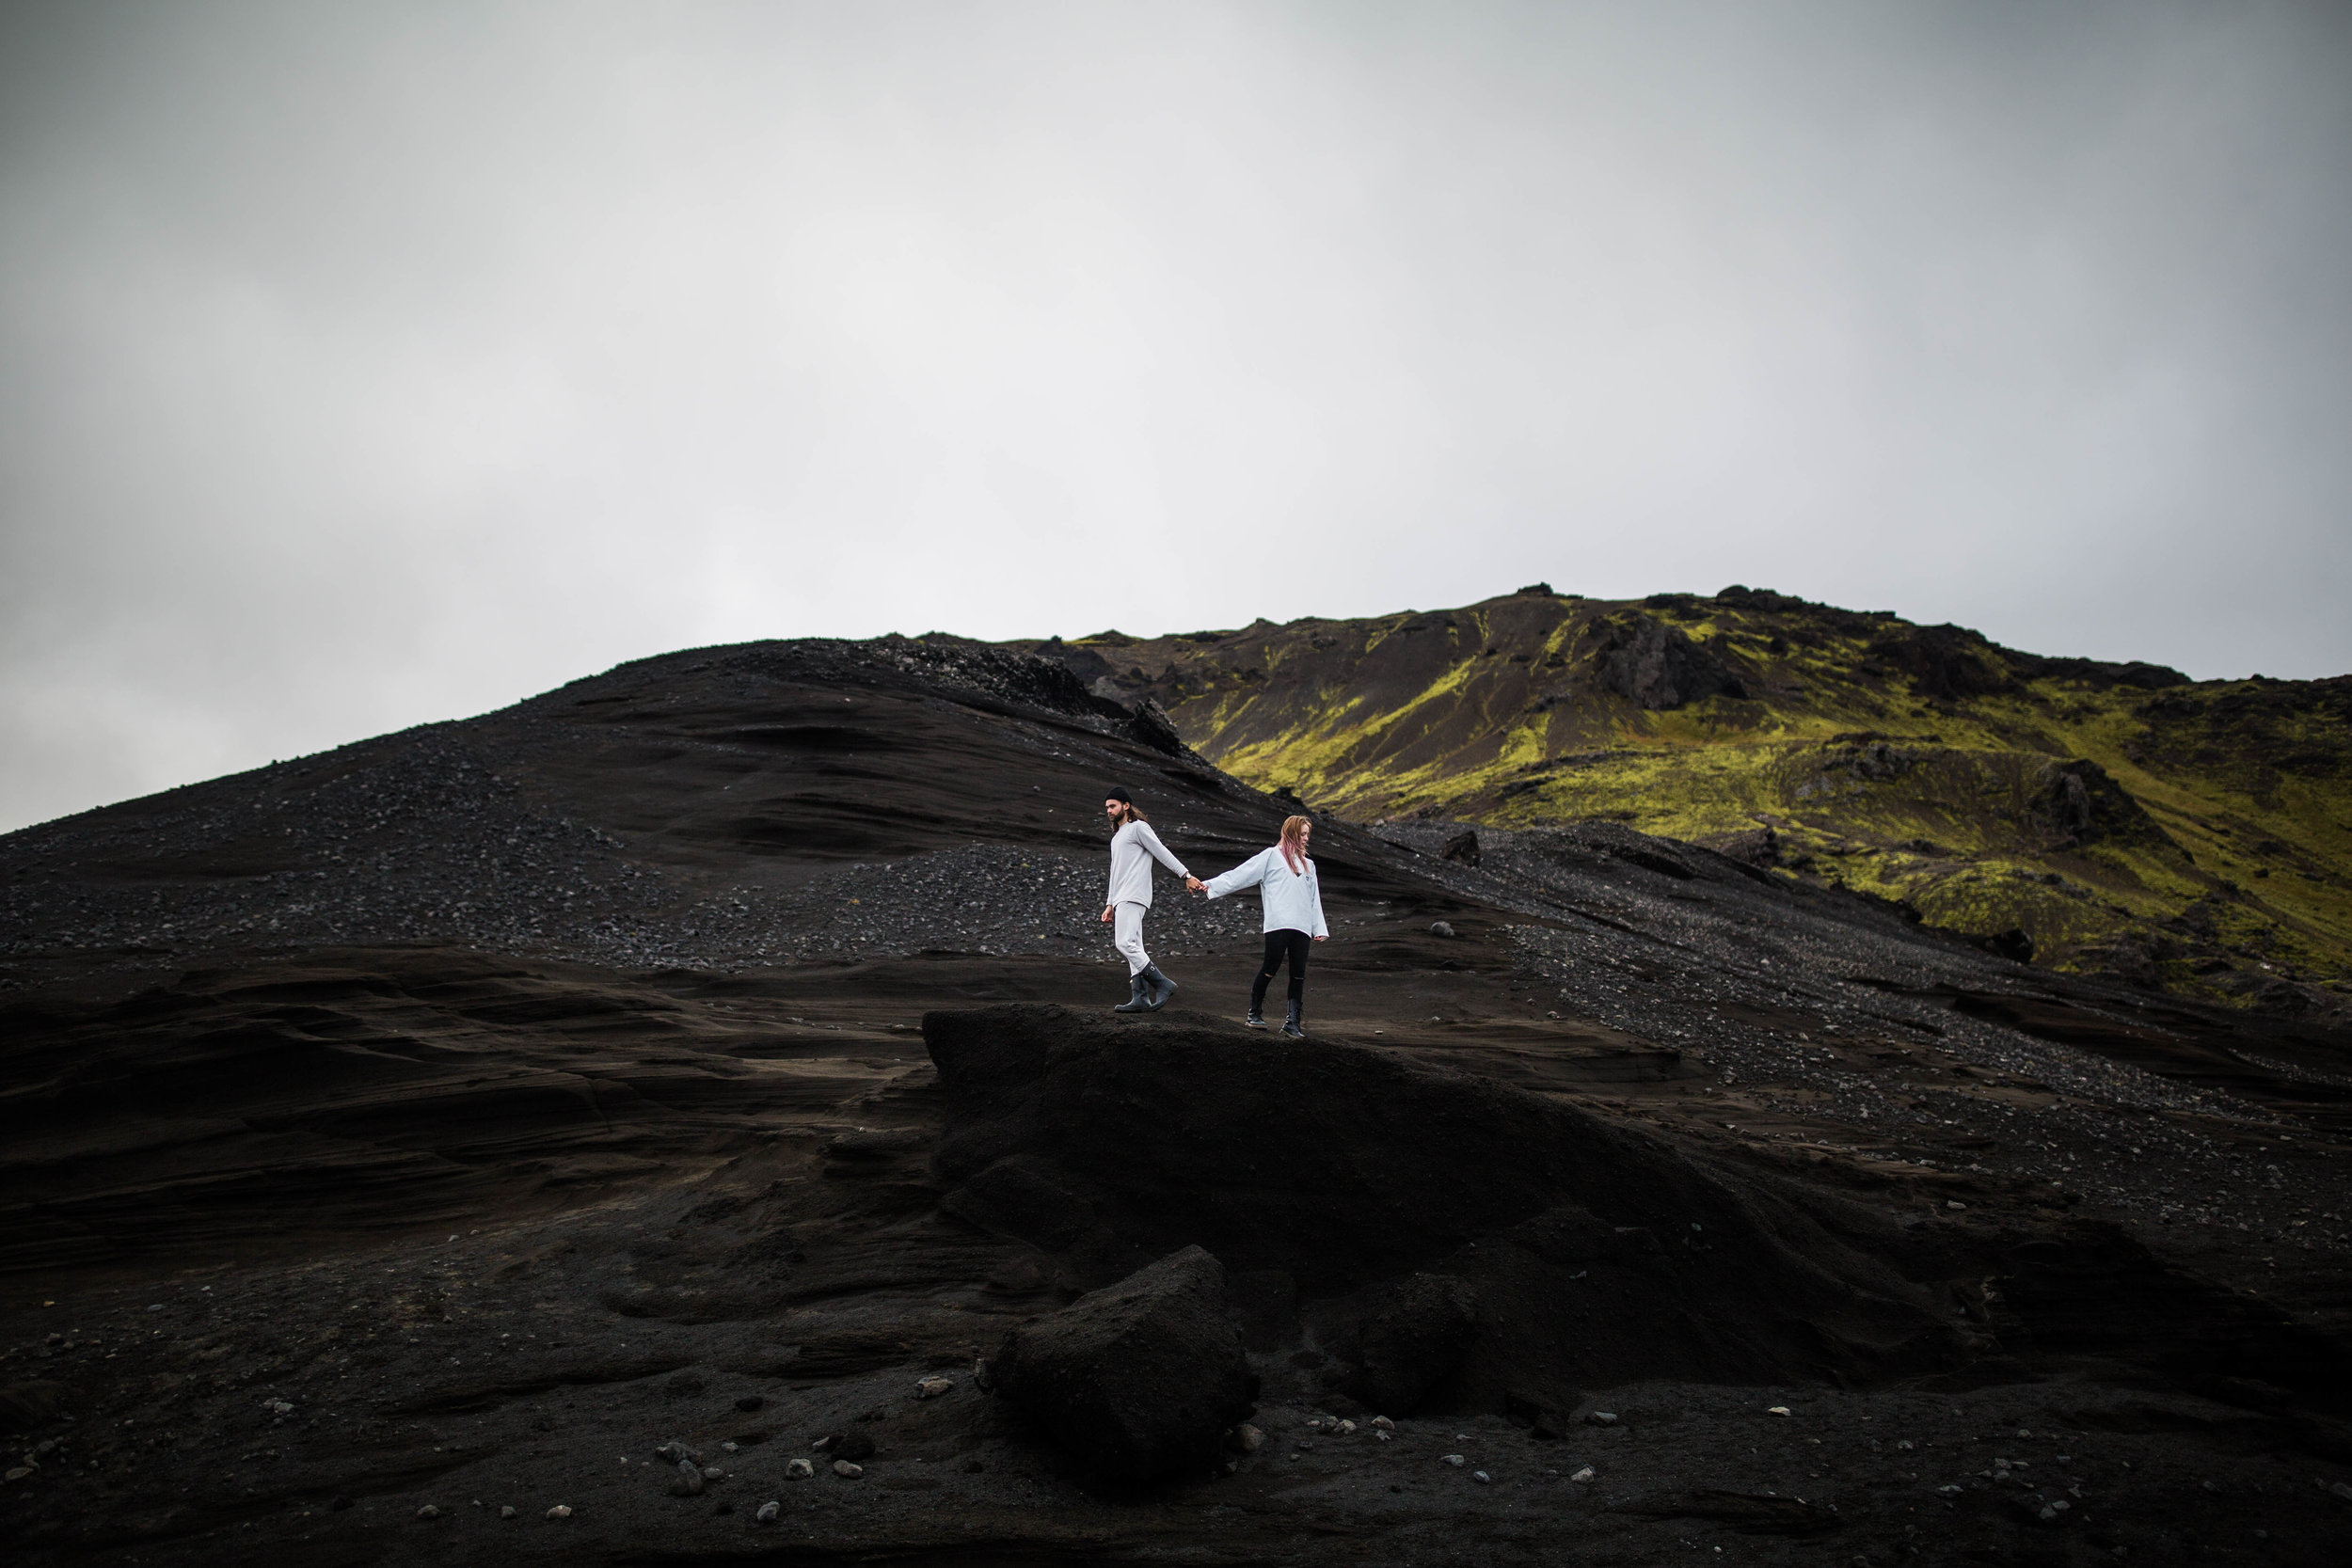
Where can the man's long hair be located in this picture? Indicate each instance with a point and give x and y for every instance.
(1294, 843)
(1127, 812)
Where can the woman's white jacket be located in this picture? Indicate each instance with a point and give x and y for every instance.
(1133, 848)
(1293, 900)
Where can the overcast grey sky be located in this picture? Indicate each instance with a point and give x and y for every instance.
(366, 364)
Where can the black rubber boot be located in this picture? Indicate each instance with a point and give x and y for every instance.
(1135, 1003)
(1290, 1024)
(1161, 987)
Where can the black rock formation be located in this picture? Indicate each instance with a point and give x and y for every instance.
(1138, 1380)
(1595, 1252)
(1658, 666)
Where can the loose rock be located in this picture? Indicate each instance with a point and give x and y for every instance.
(798, 1469)
(767, 1510)
(1139, 1379)
(428, 1512)
(1454, 1459)
(507, 1511)
(1583, 1474)
(561, 1511)
(846, 1470)
(931, 1387)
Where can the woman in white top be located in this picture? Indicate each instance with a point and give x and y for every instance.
(1293, 900)
(1133, 848)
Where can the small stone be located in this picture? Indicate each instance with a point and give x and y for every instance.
(507, 1511)
(1947, 1491)
(1244, 1438)
(931, 1387)
(1581, 1474)
(1383, 1437)
(428, 1512)
(2061, 1504)
(690, 1480)
(1481, 1477)
(982, 1378)
(1440, 928)
(561, 1511)
(1383, 1424)
(846, 1470)
(2047, 1514)
(1602, 1418)
(750, 1402)
(1954, 1203)
(1777, 1410)
(278, 1407)
(1454, 1459)
(712, 1472)
(2341, 1489)
(17, 1472)
(767, 1512)
(1905, 1447)
(798, 1469)
(1345, 1428)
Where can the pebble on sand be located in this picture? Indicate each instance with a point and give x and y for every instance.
(1583, 1474)
(428, 1512)
(767, 1512)
(1454, 1459)
(846, 1470)
(798, 1469)
(561, 1511)
(931, 1387)
(1777, 1410)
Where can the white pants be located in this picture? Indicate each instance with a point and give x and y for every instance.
(1127, 936)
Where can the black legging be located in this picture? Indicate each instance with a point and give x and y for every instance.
(1279, 945)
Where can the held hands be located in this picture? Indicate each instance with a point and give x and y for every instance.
(1196, 884)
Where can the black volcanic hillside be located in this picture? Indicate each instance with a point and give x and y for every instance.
(2111, 818)
(437, 1147)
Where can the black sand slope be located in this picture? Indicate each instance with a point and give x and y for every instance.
(706, 1051)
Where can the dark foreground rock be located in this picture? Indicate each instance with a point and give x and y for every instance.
(1138, 1380)
(1332, 1174)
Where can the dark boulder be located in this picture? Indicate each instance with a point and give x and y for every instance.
(1403, 1337)
(1462, 846)
(1139, 1380)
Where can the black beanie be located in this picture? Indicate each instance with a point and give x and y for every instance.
(1119, 793)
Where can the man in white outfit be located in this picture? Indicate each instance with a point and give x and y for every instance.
(1133, 848)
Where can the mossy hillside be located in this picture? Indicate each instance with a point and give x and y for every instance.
(1921, 762)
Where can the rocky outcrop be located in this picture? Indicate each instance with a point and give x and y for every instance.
(2076, 804)
(1658, 666)
(1140, 1379)
(1590, 1254)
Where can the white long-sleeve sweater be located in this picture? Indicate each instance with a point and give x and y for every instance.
(1293, 900)
(1133, 848)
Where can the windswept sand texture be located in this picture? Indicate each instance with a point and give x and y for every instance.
(706, 1051)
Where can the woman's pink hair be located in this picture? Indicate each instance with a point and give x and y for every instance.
(1293, 847)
